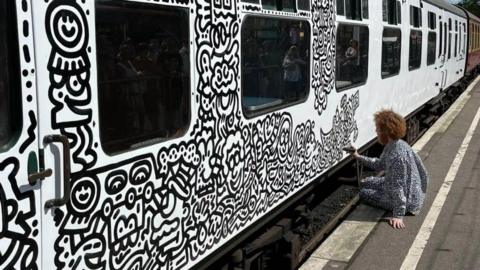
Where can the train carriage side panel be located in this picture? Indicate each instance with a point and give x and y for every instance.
(473, 57)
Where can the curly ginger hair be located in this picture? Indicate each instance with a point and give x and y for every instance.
(390, 125)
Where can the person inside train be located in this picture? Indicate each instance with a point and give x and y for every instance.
(403, 185)
(351, 54)
(292, 74)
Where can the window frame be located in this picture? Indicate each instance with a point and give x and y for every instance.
(145, 143)
(336, 36)
(275, 108)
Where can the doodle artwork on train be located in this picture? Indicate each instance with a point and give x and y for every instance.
(17, 208)
(69, 66)
(323, 69)
(168, 209)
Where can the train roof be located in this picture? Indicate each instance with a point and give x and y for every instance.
(446, 6)
(471, 16)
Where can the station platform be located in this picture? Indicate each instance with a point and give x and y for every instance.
(446, 234)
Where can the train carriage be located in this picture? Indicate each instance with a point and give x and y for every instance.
(154, 134)
(473, 57)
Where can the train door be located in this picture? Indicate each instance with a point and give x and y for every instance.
(444, 49)
(20, 171)
(63, 43)
(104, 196)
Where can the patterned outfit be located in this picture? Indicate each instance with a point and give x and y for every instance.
(402, 189)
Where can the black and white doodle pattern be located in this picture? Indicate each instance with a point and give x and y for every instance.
(167, 210)
(323, 51)
(19, 215)
(17, 208)
(69, 66)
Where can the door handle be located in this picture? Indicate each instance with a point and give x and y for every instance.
(34, 177)
(57, 202)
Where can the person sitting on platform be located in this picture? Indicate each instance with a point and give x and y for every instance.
(404, 184)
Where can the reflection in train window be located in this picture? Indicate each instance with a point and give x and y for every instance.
(415, 50)
(10, 94)
(456, 45)
(391, 11)
(445, 35)
(460, 39)
(353, 9)
(365, 9)
(143, 74)
(340, 7)
(281, 5)
(432, 20)
(449, 45)
(275, 63)
(431, 48)
(415, 16)
(352, 56)
(303, 5)
(391, 51)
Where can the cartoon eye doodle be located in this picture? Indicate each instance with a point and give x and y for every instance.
(140, 172)
(116, 182)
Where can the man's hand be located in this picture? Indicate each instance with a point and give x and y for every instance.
(396, 223)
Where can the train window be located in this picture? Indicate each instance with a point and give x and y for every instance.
(431, 48)
(456, 46)
(415, 50)
(391, 11)
(275, 63)
(303, 5)
(470, 39)
(10, 94)
(460, 41)
(282, 5)
(352, 56)
(391, 51)
(353, 9)
(432, 20)
(415, 16)
(341, 7)
(449, 45)
(143, 73)
(251, 1)
(440, 39)
(444, 39)
(399, 13)
(365, 9)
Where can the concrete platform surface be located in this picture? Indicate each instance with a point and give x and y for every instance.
(446, 234)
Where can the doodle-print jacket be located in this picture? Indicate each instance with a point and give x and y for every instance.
(405, 176)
